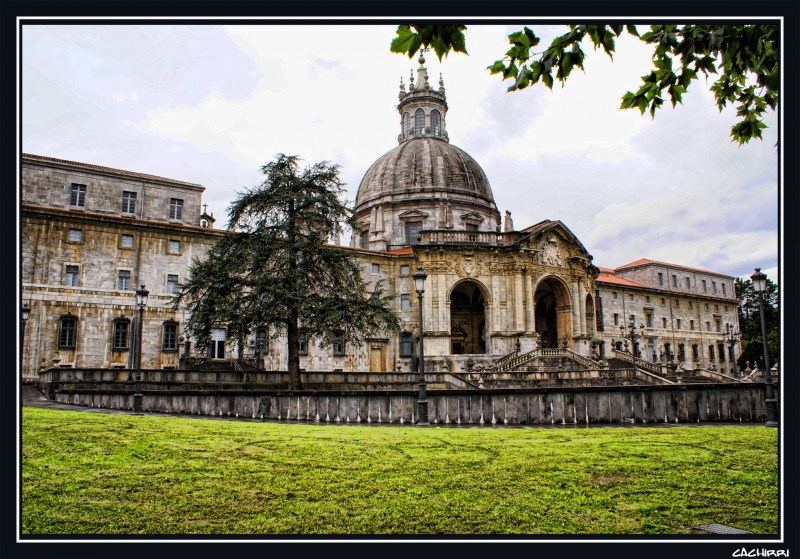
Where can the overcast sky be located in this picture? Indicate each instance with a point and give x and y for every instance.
(210, 104)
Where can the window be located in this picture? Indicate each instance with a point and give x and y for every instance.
(678, 323)
(172, 284)
(711, 352)
(660, 278)
(75, 236)
(124, 280)
(175, 208)
(174, 247)
(706, 306)
(663, 322)
(412, 232)
(77, 196)
(677, 304)
(170, 341)
(262, 340)
(649, 320)
(66, 331)
(364, 241)
(713, 287)
(688, 284)
(616, 319)
(681, 352)
(647, 299)
(405, 344)
(375, 268)
(121, 329)
(435, 122)
(128, 202)
(71, 272)
(719, 325)
(705, 290)
(419, 122)
(674, 280)
(613, 294)
(405, 271)
(691, 325)
(338, 346)
(695, 352)
(406, 124)
(216, 349)
(302, 342)
(726, 308)
(708, 326)
(126, 241)
(691, 305)
(663, 302)
(405, 301)
(716, 308)
(630, 297)
(723, 289)
(721, 352)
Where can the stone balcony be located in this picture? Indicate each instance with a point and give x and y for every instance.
(467, 238)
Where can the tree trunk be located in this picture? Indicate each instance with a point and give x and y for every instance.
(292, 331)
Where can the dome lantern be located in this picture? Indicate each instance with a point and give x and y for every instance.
(422, 110)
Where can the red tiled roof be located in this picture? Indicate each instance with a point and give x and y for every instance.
(101, 168)
(606, 277)
(536, 226)
(643, 261)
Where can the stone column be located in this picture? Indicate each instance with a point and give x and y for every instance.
(582, 309)
(576, 310)
(530, 324)
(519, 318)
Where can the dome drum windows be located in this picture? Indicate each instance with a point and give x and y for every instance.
(436, 123)
(419, 122)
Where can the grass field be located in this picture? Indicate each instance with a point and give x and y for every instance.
(96, 473)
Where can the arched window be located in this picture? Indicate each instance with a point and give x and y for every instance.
(66, 331)
(406, 124)
(419, 122)
(121, 330)
(436, 122)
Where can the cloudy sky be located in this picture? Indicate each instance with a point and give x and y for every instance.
(210, 103)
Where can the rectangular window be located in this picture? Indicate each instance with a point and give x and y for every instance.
(716, 308)
(691, 325)
(364, 239)
(614, 295)
(174, 247)
(616, 319)
(719, 325)
(663, 322)
(678, 324)
(663, 302)
(726, 308)
(649, 320)
(711, 352)
(172, 284)
(705, 290)
(66, 332)
(723, 289)
(262, 340)
(128, 202)
(677, 304)
(405, 301)
(338, 347)
(688, 284)
(405, 271)
(647, 299)
(121, 333)
(691, 305)
(77, 196)
(376, 268)
(412, 232)
(126, 241)
(695, 352)
(405, 344)
(71, 272)
(124, 280)
(674, 280)
(170, 342)
(708, 326)
(302, 342)
(713, 287)
(175, 208)
(75, 236)
(660, 278)
(630, 297)
(706, 306)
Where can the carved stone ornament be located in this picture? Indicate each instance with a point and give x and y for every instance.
(551, 255)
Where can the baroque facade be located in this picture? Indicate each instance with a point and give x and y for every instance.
(91, 235)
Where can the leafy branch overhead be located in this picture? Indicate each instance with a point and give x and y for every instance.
(744, 57)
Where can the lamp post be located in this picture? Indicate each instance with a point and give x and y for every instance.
(141, 303)
(760, 286)
(632, 335)
(24, 313)
(731, 337)
(422, 404)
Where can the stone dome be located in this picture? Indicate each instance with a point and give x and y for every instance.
(425, 168)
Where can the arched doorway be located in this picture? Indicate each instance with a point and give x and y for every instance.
(467, 319)
(553, 313)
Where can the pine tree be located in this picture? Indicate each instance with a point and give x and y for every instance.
(274, 267)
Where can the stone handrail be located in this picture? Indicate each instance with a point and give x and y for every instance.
(459, 237)
(512, 361)
(583, 360)
(641, 363)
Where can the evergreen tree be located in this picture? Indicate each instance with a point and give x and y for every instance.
(750, 323)
(274, 267)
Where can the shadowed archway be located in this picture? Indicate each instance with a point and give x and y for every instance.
(467, 319)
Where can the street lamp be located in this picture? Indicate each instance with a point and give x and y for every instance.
(760, 287)
(141, 303)
(422, 404)
(24, 313)
(632, 335)
(731, 337)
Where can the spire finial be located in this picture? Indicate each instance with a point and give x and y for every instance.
(441, 83)
(421, 56)
(411, 81)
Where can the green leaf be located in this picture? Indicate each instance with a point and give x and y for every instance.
(406, 41)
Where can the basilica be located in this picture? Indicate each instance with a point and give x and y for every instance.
(494, 296)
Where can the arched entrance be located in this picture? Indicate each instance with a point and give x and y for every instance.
(553, 313)
(467, 319)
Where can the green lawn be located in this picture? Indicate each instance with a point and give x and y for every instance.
(96, 473)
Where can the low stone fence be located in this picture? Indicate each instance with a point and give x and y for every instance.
(566, 405)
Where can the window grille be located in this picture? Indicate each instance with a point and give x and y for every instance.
(128, 202)
(77, 196)
(175, 208)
